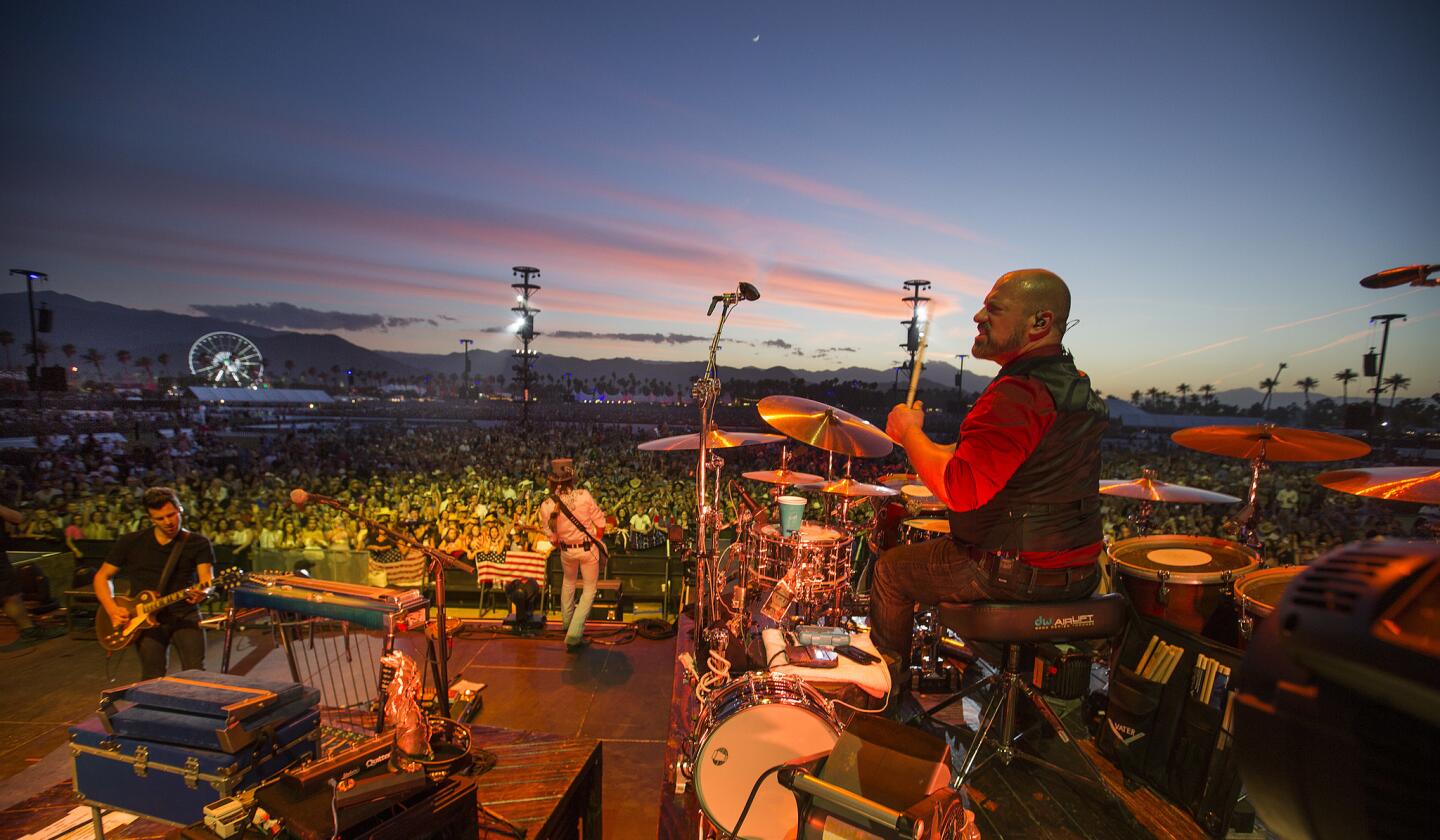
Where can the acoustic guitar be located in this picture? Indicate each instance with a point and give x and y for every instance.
(144, 606)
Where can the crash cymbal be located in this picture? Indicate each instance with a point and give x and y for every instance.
(1398, 484)
(825, 427)
(918, 492)
(850, 488)
(783, 477)
(1151, 490)
(719, 439)
(1279, 443)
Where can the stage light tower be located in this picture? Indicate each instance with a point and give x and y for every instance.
(1380, 369)
(467, 389)
(916, 325)
(34, 377)
(524, 327)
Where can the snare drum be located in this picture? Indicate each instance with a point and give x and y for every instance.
(1258, 594)
(745, 728)
(919, 530)
(818, 554)
(920, 501)
(1180, 580)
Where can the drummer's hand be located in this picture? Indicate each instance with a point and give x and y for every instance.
(904, 418)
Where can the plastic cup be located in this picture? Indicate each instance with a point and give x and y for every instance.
(792, 513)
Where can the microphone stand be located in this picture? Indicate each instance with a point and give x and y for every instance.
(706, 391)
(439, 560)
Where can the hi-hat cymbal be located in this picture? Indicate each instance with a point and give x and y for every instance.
(1149, 489)
(851, 488)
(783, 477)
(1278, 443)
(1398, 484)
(896, 481)
(719, 439)
(825, 427)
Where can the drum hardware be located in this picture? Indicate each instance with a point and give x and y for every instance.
(1256, 596)
(1181, 580)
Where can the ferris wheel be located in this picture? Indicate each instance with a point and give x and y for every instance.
(226, 360)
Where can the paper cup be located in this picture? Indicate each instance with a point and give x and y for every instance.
(792, 513)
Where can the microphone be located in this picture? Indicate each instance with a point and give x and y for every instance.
(757, 512)
(747, 292)
(300, 498)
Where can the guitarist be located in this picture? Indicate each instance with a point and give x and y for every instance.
(144, 555)
(575, 525)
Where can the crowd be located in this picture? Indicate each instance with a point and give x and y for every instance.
(473, 489)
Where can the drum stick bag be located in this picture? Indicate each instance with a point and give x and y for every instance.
(1128, 733)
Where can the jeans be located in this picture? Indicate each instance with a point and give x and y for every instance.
(584, 563)
(942, 570)
(184, 634)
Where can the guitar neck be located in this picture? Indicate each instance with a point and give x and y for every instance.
(165, 601)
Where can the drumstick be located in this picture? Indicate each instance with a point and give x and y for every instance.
(1149, 649)
(915, 370)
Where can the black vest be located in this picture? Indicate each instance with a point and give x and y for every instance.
(1052, 502)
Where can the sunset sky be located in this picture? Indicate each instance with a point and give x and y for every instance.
(1212, 179)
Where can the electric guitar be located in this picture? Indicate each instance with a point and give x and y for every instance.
(143, 607)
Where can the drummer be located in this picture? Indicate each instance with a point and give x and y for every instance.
(1020, 485)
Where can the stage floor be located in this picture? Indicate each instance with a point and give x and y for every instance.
(616, 694)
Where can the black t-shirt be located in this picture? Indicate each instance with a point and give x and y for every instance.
(143, 559)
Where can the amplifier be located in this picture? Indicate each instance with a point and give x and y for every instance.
(611, 602)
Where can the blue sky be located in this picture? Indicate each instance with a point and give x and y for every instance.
(1212, 179)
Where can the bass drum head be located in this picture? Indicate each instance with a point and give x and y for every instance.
(768, 722)
(1183, 559)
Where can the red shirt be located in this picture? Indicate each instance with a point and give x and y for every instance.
(999, 433)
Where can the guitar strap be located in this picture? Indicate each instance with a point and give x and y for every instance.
(170, 562)
(570, 515)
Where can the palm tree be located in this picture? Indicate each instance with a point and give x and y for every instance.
(123, 357)
(1268, 383)
(1306, 385)
(7, 338)
(1345, 377)
(1136, 397)
(95, 357)
(163, 359)
(1154, 394)
(37, 349)
(69, 350)
(1183, 389)
(1396, 382)
(1208, 392)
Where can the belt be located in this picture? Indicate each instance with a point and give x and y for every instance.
(1007, 568)
(585, 545)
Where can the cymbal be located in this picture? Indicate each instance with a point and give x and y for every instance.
(1280, 443)
(1399, 484)
(850, 488)
(783, 477)
(825, 427)
(1414, 275)
(1149, 489)
(896, 481)
(719, 439)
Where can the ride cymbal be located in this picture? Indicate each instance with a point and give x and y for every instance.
(1278, 443)
(1397, 484)
(719, 439)
(850, 488)
(825, 427)
(1151, 490)
(783, 477)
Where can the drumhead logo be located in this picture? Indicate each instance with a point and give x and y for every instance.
(1069, 622)
(719, 757)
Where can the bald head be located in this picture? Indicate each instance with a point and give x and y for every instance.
(1037, 290)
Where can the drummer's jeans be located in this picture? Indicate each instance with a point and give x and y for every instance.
(936, 571)
(585, 564)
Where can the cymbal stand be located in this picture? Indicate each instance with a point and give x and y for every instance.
(1247, 522)
(1141, 518)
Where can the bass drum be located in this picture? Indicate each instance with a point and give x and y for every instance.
(1258, 594)
(1181, 580)
(745, 728)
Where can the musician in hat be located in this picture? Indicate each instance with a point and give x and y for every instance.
(575, 524)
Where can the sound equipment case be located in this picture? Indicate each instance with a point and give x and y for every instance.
(196, 737)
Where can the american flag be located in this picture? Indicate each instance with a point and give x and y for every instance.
(512, 565)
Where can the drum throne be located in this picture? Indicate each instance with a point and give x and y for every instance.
(1016, 625)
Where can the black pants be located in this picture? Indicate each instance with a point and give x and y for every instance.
(153, 645)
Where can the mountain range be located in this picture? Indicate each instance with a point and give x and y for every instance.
(109, 327)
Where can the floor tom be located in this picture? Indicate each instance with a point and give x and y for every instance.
(1258, 594)
(1180, 580)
